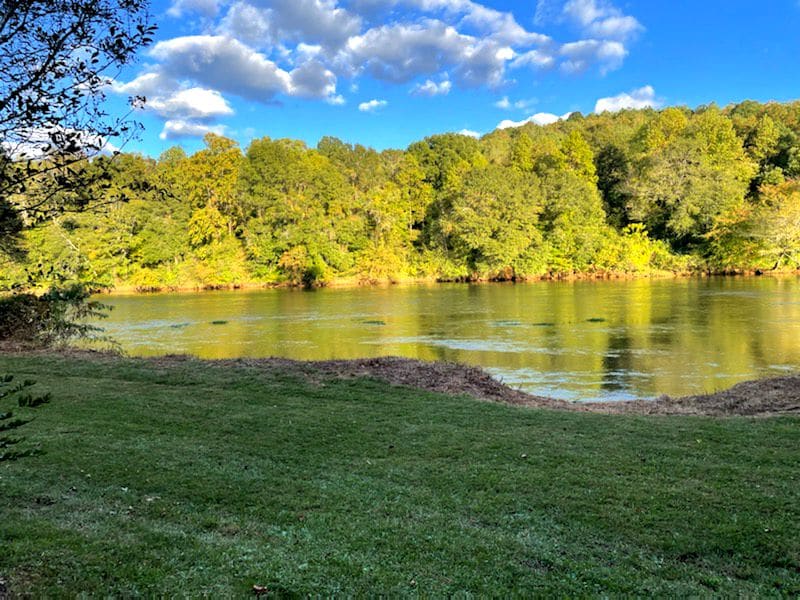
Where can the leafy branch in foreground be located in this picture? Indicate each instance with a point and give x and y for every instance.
(57, 58)
(54, 318)
(10, 448)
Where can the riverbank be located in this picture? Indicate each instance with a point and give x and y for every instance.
(760, 398)
(774, 396)
(354, 282)
(172, 476)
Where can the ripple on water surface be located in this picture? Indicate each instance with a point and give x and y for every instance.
(575, 340)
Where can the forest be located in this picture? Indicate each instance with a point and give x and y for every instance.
(638, 192)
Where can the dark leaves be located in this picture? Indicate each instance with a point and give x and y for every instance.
(56, 57)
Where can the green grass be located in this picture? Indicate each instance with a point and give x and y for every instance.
(190, 480)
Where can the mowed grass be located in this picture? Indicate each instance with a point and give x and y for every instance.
(192, 480)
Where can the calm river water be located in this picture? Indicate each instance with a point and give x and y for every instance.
(573, 340)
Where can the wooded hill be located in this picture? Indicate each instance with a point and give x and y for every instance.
(634, 192)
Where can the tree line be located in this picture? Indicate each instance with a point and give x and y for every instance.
(635, 192)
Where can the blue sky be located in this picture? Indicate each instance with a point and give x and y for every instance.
(385, 73)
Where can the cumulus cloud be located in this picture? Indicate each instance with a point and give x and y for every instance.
(505, 104)
(222, 63)
(609, 29)
(227, 65)
(178, 128)
(470, 133)
(186, 110)
(197, 103)
(372, 105)
(262, 50)
(602, 19)
(431, 88)
(207, 8)
(482, 20)
(257, 46)
(400, 52)
(501, 26)
(644, 97)
(271, 22)
(147, 84)
(620, 27)
(537, 59)
(218, 65)
(538, 119)
(579, 56)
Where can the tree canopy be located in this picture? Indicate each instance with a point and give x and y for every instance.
(639, 191)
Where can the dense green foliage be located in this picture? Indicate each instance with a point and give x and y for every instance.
(633, 192)
(164, 479)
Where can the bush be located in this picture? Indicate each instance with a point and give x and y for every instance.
(53, 318)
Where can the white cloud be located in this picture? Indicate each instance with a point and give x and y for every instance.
(615, 27)
(222, 63)
(372, 105)
(400, 52)
(584, 12)
(39, 142)
(537, 59)
(505, 104)
(538, 119)
(502, 27)
(207, 8)
(312, 80)
(607, 29)
(644, 97)
(227, 65)
(178, 128)
(431, 88)
(197, 103)
(267, 23)
(579, 56)
(258, 49)
(148, 85)
(248, 24)
(262, 50)
(470, 133)
(600, 18)
(187, 111)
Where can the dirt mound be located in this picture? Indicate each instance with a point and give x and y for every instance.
(765, 397)
(443, 377)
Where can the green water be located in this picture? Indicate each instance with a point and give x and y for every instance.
(572, 340)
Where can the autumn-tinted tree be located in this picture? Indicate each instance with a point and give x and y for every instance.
(633, 192)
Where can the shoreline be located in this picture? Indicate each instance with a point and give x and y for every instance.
(351, 283)
(769, 397)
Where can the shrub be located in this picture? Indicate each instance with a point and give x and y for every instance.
(53, 318)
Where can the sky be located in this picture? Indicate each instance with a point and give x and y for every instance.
(386, 73)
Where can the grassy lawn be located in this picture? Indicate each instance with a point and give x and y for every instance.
(193, 480)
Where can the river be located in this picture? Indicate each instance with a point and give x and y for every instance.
(583, 340)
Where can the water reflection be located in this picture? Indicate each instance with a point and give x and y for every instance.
(575, 340)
